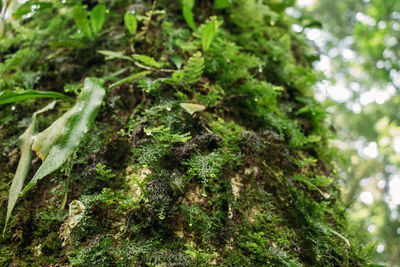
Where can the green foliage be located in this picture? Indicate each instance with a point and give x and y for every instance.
(149, 85)
(193, 68)
(25, 142)
(130, 22)
(314, 183)
(81, 20)
(8, 96)
(192, 158)
(58, 142)
(97, 18)
(113, 55)
(207, 35)
(175, 78)
(231, 138)
(258, 244)
(163, 138)
(147, 61)
(177, 59)
(220, 4)
(15, 69)
(199, 221)
(187, 6)
(104, 173)
(202, 258)
(164, 135)
(97, 254)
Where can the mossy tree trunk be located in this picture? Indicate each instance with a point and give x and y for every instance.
(215, 155)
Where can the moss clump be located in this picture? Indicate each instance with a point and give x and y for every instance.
(244, 179)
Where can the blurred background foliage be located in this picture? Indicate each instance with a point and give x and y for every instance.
(360, 55)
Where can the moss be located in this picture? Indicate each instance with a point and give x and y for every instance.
(6, 255)
(96, 254)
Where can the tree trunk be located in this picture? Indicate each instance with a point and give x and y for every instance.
(215, 153)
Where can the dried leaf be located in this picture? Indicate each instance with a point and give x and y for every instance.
(75, 215)
(192, 108)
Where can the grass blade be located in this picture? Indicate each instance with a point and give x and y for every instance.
(9, 96)
(129, 78)
(113, 54)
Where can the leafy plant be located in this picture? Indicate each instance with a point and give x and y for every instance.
(207, 35)
(175, 78)
(187, 6)
(59, 141)
(130, 22)
(97, 18)
(194, 68)
(104, 173)
(97, 254)
(220, 4)
(164, 134)
(149, 85)
(177, 59)
(148, 155)
(25, 142)
(147, 61)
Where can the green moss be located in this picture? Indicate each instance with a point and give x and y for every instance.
(160, 186)
(96, 254)
(6, 255)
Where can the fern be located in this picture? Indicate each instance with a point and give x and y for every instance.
(194, 68)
